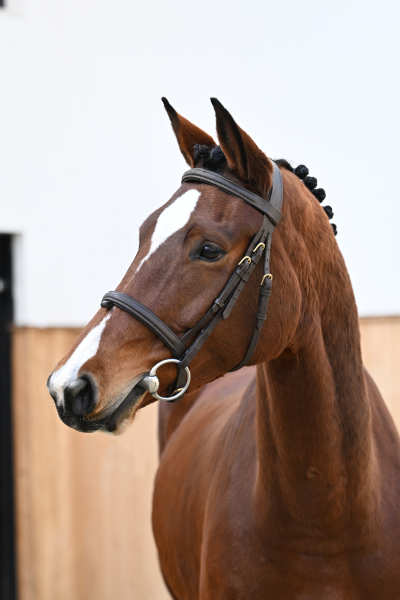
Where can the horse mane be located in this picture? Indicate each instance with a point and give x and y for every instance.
(215, 160)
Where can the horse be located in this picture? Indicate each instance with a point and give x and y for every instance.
(279, 481)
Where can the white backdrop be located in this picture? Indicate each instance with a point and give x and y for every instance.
(82, 127)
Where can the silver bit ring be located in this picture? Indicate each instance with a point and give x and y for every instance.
(152, 383)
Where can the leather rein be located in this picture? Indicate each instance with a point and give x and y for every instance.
(224, 303)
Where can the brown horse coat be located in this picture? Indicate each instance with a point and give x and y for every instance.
(283, 485)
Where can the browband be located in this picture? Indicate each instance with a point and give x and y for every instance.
(271, 208)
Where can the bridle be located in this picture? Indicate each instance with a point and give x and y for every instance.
(224, 303)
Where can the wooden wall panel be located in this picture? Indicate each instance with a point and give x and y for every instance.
(83, 500)
(380, 343)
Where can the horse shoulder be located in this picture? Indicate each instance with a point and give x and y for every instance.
(190, 468)
(170, 416)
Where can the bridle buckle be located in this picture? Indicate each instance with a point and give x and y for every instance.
(266, 276)
(261, 244)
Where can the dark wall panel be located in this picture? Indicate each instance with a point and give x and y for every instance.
(7, 552)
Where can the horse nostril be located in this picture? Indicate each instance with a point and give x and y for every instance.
(79, 397)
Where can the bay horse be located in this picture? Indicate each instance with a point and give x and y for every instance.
(281, 481)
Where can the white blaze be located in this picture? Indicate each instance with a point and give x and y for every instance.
(67, 374)
(173, 218)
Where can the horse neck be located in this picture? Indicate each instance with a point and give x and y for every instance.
(313, 414)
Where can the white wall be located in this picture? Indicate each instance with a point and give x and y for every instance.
(82, 128)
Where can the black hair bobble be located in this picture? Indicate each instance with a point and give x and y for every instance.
(301, 171)
(311, 183)
(320, 194)
(203, 152)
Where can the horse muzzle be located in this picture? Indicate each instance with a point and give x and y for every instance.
(75, 402)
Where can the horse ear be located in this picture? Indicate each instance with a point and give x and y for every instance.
(187, 134)
(243, 155)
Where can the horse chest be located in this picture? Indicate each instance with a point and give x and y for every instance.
(263, 575)
(216, 540)
(236, 562)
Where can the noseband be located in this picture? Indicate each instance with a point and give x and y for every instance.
(224, 303)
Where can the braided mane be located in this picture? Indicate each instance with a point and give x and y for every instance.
(215, 160)
(311, 183)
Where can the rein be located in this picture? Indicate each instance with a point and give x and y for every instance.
(224, 303)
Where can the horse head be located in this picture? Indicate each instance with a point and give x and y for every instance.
(188, 250)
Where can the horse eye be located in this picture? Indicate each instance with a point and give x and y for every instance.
(210, 252)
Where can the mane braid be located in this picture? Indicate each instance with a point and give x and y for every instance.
(211, 158)
(215, 160)
(311, 183)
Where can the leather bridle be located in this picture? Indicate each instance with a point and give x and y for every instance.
(224, 303)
